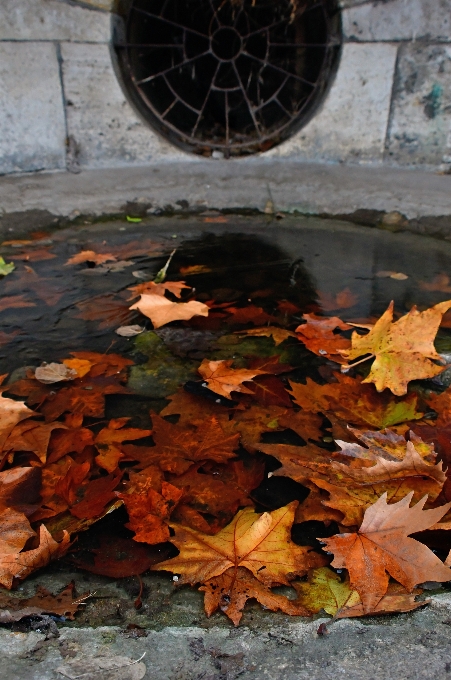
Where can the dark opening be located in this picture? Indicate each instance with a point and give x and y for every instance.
(235, 77)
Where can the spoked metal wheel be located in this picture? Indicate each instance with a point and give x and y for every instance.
(224, 76)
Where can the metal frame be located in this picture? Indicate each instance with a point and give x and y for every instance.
(248, 75)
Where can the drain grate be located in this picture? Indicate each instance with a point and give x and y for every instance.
(216, 76)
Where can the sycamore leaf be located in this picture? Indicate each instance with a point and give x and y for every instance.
(152, 288)
(90, 256)
(260, 543)
(161, 311)
(274, 332)
(317, 334)
(19, 565)
(64, 604)
(222, 379)
(6, 267)
(11, 413)
(382, 546)
(325, 590)
(177, 447)
(355, 402)
(230, 592)
(403, 350)
(53, 373)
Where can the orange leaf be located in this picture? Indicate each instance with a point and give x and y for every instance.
(90, 256)
(318, 336)
(161, 311)
(382, 545)
(222, 379)
(174, 287)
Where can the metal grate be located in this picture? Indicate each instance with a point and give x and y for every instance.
(218, 77)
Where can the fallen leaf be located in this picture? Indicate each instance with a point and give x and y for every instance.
(397, 276)
(317, 334)
(37, 255)
(11, 412)
(108, 310)
(96, 495)
(43, 602)
(342, 300)
(230, 591)
(32, 436)
(382, 545)
(80, 366)
(152, 288)
(249, 314)
(118, 557)
(403, 350)
(90, 256)
(129, 331)
(53, 373)
(149, 511)
(222, 379)
(19, 565)
(195, 269)
(161, 311)
(260, 543)
(6, 267)
(109, 439)
(277, 334)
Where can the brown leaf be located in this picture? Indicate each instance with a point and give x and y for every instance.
(53, 373)
(319, 337)
(382, 545)
(279, 335)
(222, 379)
(65, 604)
(174, 287)
(90, 256)
(14, 302)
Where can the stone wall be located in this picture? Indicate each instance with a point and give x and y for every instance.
(61, 104)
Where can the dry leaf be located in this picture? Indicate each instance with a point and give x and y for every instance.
(90, 256)
(222, 379)
(277, 334)
(53, 373)
(161, 311)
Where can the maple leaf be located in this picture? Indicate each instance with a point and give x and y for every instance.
(14, 302)
(149, 511)
(96, 495)
(317, 334)
(108, 441)
(43, 602)
(161, 311)
(11, 413)
(249, 314)
(90, 256)
(193, 410)
(108, 310)
(174, 287)
(260, 543)
(269, 390)
(279, 335)
(386, 444)
(31, 436)
(342, 300)
(355, 402)
(230, 591)
(222, 379)
(176, 447)
(403, 350)
(382, 546)
(19, 565)
(325, 590)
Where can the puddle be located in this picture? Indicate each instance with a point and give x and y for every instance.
(50, 308)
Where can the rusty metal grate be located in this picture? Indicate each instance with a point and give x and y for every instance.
(218, 77)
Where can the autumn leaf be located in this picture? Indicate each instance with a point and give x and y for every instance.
(53, 373)
(403, 350)
(382, 546)
(65, 604)
(11, 413)
(152, 288)
(90, 256)
(342, 300)
(177, 447)
(161, 311)
(96, 495)
(260, 543)
(31, 435)
(108, 310)
(440, 283)
(222, 379)
(249, 314)
(317, 334)
(279, 335)
(325, 590)
(355, 402)
(19, 565)
(108, 442)
(230, 591)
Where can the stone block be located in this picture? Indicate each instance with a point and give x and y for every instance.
(399, 20)
(52, 20)
(352, 122)
(31, 108)
(106, 130)
(420, 130)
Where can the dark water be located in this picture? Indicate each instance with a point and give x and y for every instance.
(315, 264)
